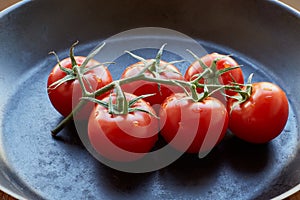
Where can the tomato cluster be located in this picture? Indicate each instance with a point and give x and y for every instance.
(192, 112)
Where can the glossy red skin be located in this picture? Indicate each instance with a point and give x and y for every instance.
(123, 137)
(180, 117)
(225, 78)
(262, 117)
(67, 95)
(142, 87)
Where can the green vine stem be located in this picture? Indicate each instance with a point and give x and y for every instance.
(185, 84)
(69, 118)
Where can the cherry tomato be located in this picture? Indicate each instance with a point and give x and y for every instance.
(124, 137)
(262, 117)
(193, 127)
(142, 87)
(66, 95)
(222, 63)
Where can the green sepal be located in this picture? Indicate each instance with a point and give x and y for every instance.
(59, 82)
(158, 57)
(134, 100)
(74, 63)
(163, 68)
(136, 56)
(204, 94)
(110, 106)
(143, 110)
(202, 64)
(92, 54)
(85, 70)
(243, 95)
(66, 70)
(97, 101)
(223, 71)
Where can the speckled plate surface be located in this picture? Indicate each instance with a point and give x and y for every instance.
(262, 35)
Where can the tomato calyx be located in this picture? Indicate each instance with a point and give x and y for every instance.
(154, 66)
(122, 105)
(243, 93)
(208, 89)
(70, 74)
(76, 70)
(212, 73)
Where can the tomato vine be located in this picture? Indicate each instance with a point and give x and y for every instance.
(203, 78)
(189, 87)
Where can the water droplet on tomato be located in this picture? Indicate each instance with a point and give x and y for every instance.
(197, 110)
(99, 80)
(267, 89)
(135, 123)
(268, 97)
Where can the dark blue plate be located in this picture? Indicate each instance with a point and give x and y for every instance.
(262, 35)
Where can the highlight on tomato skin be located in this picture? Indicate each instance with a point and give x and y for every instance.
(141, 87)
(222, 62)
(66, 95)
(123, 138)
(262, 117)
(193, 127)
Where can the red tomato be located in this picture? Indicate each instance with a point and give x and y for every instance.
(142, 87)
(223, 63)
(65, 96)
(262, 117)
(193, 127)
(123, 137)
